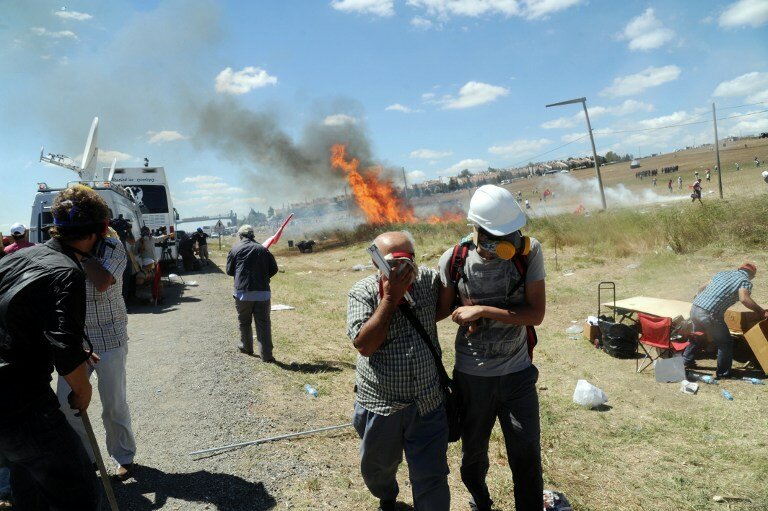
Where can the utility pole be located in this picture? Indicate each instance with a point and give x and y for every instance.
(583, 102)
(717, 152)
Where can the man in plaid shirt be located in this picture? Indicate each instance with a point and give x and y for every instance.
(106, 324)
(708, 310)
(399, 402)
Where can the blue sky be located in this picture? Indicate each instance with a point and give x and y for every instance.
(433, 86)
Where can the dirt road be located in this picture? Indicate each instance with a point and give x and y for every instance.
(188, 389)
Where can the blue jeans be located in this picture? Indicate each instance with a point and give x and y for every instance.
(513, 399)
(717, 331)
(49, 467)
(425, 441)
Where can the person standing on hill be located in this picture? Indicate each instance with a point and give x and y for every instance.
(709, 175)
(252, 266)
(708, 310)
(679, 182)
(499, 282)
(696, 191)
(669, 186)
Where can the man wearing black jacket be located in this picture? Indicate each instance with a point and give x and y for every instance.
(42, 321)
(252, 265)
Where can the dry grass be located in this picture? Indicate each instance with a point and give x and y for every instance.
(655, 449)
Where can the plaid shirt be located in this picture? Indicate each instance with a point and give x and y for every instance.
(723, 291)
(106, 320)
(402, 371)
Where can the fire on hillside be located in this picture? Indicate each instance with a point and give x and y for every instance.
(377, 197)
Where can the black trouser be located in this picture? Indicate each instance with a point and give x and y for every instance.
(50, 470)
(513, 399)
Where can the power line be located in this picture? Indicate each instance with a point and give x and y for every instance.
(597, 132)
(531, 158)
(740, 106)
(603, 133)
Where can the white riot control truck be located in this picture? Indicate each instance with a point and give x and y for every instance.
(124, 213)
(149, 187)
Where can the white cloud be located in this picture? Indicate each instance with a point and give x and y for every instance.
(160, 137)
(339, 120)
(202, 179)
(397, 107)
(444, 9)
(752, 13)
(646, 32)
(572, 137)
(520, 148)
(415, 176)
(629, 106)
(664, 120)
(107, 155)
(635, 84)
(421, 23)
(474, 94)
(428, 96)
(529, 9)
(62, 34)
(429, 154)
(472, 164)
(72, 15)
(384, 8)
(757, 123)
(564, 122)
(752, 85)
(245, 80)
(535, 9)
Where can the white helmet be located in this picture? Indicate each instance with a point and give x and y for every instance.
(494, 209)
(765, 175)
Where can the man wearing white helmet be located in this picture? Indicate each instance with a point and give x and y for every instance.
(18, 231)
(498, 275)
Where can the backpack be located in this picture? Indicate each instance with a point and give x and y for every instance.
(456, 273)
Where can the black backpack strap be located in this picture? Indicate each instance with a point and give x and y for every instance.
(445, 381)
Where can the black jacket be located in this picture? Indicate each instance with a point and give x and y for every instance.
(252, 265)
(42, 322)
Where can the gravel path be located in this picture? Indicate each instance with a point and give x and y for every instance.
(188, 389)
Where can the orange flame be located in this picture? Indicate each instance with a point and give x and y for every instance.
(446, 216)
(377, 198)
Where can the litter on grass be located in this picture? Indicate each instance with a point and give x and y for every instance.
(282, 307)
(556, 501)
(588, 396)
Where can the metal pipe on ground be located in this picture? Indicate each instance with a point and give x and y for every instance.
(269, 439)
(99, 461)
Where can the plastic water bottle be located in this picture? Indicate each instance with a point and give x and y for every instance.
(727, 395)
(706, 378)
(754, 381)
(312, 391)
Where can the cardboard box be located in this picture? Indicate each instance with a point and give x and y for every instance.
(757, 337)
(740, 318)
(591, 332)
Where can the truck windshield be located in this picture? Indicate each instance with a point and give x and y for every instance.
(151, 198)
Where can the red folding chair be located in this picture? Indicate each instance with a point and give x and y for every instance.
(655, 333)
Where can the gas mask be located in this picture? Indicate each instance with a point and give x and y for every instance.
(503, 247)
